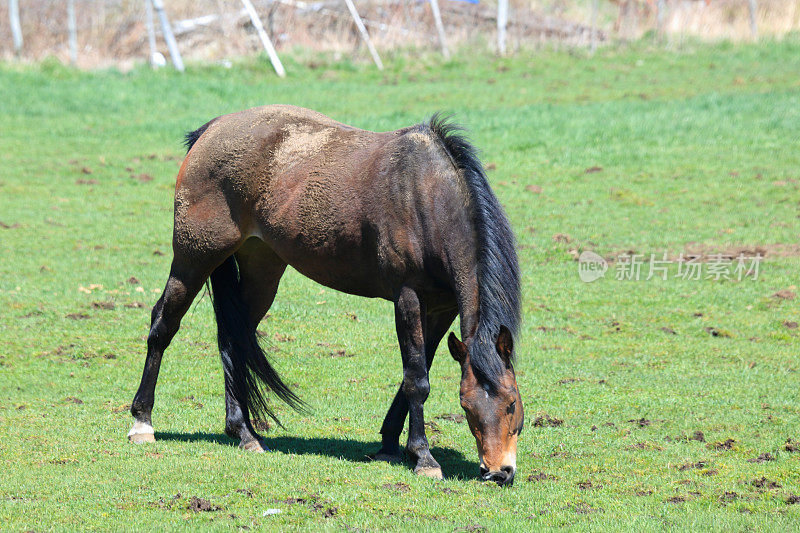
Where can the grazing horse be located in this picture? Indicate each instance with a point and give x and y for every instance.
(406, 215)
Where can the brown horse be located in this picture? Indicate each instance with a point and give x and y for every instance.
(407, 216)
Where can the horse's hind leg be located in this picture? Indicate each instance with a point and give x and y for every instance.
(201, 243)
(260, 271)
(185, 281)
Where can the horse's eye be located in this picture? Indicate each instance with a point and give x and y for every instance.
(511, 407)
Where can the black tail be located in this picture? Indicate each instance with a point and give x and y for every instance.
(191, 137)
(243, 361)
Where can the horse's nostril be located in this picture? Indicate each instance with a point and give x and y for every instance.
(483, 471)
(509, 470)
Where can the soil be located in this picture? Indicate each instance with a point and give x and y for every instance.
(689, 466)
(763, 458)
(399, 486)
(458, 418)
(540, 476)
(546, 420)
(784, 294)
(199, 505)
(727, 444)
(791, 446)
(765, 483)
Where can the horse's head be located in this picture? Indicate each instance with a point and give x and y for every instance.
(494, 410)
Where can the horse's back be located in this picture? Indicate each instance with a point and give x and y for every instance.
(340, 204)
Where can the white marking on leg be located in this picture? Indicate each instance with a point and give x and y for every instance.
(141, 428)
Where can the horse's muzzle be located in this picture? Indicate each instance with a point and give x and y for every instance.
(504, 477)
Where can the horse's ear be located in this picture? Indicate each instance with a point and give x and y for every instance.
(457, 348)
(505, 345)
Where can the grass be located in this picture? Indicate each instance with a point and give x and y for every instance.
(696, 147)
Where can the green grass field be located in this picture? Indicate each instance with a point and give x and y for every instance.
(697, 148)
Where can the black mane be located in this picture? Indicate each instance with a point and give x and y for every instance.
(498, 268)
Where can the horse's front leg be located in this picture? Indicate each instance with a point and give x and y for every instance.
(411, 335)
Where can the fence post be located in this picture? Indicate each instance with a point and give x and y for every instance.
(16, 29)
(174, 53)
(661, 11)
(73, 32)
(151, 32)
(502, 23)
(595, 8)
(437, 18)
(753, 5)
(364, 34)
(262, 34)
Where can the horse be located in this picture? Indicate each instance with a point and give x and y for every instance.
(407, 216)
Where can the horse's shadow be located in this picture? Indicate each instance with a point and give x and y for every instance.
(454, 464)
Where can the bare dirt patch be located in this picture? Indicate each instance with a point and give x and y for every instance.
(135, 305)
(718, 332)
(763, 458)
(706, 253)
(697, 436)
(399, 486)
(726, 444)
(201, 505)
(791, 446)
(641, 422)
(107, 305)
(341, 353)
(546, 420)
(458, 418)
(784, 294)
(764, 483)
(539, 476)
(315, 503)
(689, 466)
(77, 316)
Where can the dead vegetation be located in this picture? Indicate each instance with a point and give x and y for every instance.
(115, 31)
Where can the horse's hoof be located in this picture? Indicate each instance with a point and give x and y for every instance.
(142, 438)
(253, 445)
(392, 458)
(141, 433)
(428, 471)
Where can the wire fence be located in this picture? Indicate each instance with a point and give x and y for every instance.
(93, 33)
